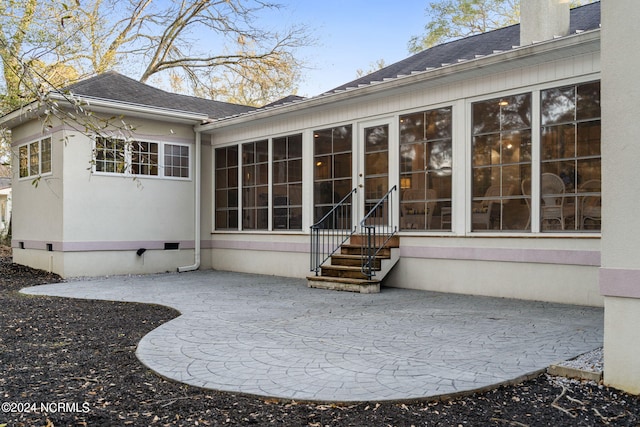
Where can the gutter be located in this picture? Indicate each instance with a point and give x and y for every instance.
(587, 41)
(197, 204)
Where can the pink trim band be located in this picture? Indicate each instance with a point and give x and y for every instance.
(537, 256)
(619, 282)
(260, 246)
(99, 246)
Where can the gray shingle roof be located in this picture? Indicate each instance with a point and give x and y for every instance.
(583, 18)
(114, 86)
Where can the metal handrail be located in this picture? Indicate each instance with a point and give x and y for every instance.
(377, 228)
(334, 229)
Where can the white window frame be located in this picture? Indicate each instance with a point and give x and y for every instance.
(39, 172)
(535, 229)
(165, 166)
(128, 159)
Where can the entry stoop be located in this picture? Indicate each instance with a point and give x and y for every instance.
(344, 272)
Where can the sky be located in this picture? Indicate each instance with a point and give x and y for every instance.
(351, 35)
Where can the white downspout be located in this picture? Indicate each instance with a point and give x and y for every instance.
(197, 197)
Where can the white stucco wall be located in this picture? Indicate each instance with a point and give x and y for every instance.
(96, 222)
(37, 209)
(537, 266)
(620, 273)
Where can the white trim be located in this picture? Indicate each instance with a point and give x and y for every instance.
(588, 41)
(128, 155)
(28, 145)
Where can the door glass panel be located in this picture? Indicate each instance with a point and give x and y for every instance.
(332, 168)
(376, 167)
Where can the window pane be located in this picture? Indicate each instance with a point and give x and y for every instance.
(262, 151)
(342, 165)
(501, 163)
(412, 157)
(295, 146)
(279, 172)
(342, 139)
(588, 139)
(588, 100)
(516, 146)
(558, 142)
(376, 138)
(425, 170)
(24, 161)
(144, 158)
(411, 128)
(255, 178)
(438, 124)
(110, 155)
(486, 117)
(176, 160)
(515, 112)
(295, 170)
(226, 187)
(557, 105)
(571, 159)
(45, 156)
(34, 158)
(332, 167)
(279, 148)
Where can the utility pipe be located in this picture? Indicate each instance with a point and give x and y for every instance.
(197, 203)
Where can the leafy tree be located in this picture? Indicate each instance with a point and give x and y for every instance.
(211, 48)
(374, 66)
(454, 19)
(197, 40)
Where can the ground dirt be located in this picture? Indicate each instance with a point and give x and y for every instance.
(68, 362)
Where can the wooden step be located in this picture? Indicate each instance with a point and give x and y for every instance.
(363, 286)
(354, 260)
(342, 271)
(359, 239)
(350, 249)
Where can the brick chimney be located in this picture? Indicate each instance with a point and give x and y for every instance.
(541, 20)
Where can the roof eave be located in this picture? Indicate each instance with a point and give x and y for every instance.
(100, 105)
(535, 52)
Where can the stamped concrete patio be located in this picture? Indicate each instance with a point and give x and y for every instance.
(273, 336)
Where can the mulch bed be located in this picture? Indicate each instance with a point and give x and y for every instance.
(77, 358)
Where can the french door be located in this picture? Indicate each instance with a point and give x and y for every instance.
(373, 170)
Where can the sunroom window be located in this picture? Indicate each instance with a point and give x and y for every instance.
(332, 172)
(287, 183)
(226, 216)
(425, 170)
(501, 164)
(255, 185)
(570, 198)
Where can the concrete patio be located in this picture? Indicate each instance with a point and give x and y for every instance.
(274, 336)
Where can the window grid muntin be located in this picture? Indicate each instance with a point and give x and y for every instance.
(426, 169)
(226, 188)
(34, 158)
(144, 158)
(287, 182)
(255, 185)
(498, 174)
(176, 160)
(575, 167)
(110, 155)
(140, 158)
